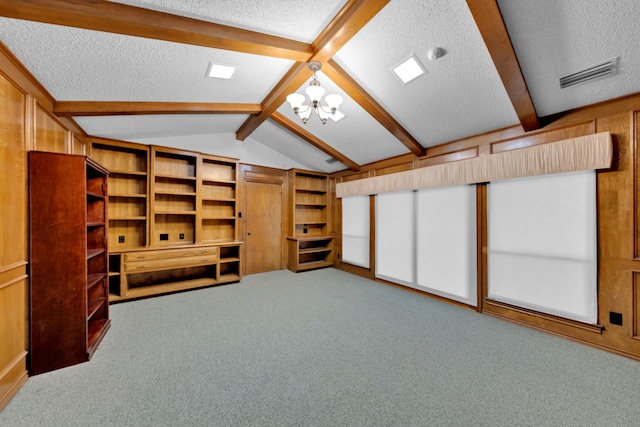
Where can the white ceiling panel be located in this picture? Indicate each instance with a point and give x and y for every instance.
(276, 138)
(304, 20)
(553, 38)
(133, 128)
(461, 94)
(76, 64)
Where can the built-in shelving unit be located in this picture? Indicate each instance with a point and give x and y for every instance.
(173, 202)
(218, 199)
(310, 245)
(186, 202)
(128, 191)
(69, 259)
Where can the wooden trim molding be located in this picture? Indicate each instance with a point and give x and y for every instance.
(582, 153)
(546, 317)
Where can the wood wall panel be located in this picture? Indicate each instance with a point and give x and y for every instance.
(13, 239)
(50, 135)
(542, 138)
(13, 180)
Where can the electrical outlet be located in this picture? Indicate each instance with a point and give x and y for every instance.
(181, 236)
(305, 230)
(120, 239)
(164, 236)
(615, 318)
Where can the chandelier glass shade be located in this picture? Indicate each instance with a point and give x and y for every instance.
(315, 92)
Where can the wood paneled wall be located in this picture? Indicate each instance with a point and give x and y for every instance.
(26, 122)
(618, 195)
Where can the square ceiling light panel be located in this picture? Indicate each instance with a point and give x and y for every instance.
(409, 69)
(220, 71)
(337, 116)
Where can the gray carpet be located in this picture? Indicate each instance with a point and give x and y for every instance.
(326, 348)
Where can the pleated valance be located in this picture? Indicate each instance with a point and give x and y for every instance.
(570, 155)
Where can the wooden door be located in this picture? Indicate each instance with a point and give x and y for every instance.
(263, 227)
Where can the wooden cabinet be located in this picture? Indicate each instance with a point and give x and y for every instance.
(149, 272)
(309, 245)
(69, 259)
(165, 203)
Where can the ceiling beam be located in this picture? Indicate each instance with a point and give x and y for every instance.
(108, 108)
(351, 18)
(346, 24)
(134, 21)
(340, 77)
(313, 140)
(492, 28)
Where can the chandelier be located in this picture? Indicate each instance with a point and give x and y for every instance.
(315, 93)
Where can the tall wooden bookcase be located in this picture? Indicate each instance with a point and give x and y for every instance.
(310, 245)
(175, 224)
(69, 313)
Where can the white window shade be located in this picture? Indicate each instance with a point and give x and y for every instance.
(446, 242)
(543, 244)
(395, 240)
(355, 230)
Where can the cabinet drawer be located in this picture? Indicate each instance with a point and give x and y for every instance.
(170, 254)
(167, 264)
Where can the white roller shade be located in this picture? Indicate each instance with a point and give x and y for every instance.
(395, 240)
(446, 242)
(543, 244)
(355, 230)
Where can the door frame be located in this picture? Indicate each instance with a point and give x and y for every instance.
(265, 175)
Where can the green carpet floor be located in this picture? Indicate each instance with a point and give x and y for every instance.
(326, 348)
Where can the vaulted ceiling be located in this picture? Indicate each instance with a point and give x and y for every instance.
(135, 70)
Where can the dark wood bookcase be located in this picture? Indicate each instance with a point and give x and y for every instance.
(69, 313)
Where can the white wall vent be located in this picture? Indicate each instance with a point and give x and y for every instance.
(595, 72)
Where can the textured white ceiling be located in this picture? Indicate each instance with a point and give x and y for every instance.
(304, 20)
(132, 128)
(557, 37)
(460, 96)
(76, 64)
(448, 103)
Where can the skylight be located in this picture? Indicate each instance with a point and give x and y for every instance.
(220, 71)
(409, 69)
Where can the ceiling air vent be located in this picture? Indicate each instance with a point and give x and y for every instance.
(596, 72)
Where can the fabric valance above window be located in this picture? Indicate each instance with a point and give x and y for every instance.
(570, 155)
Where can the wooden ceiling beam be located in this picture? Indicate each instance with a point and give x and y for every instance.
(99, 108)
(346, 24)
(340, 77)
(351, 18)
(313, 140)
(134, 21)
(494, 32)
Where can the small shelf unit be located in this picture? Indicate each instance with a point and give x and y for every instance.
(309, 243)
